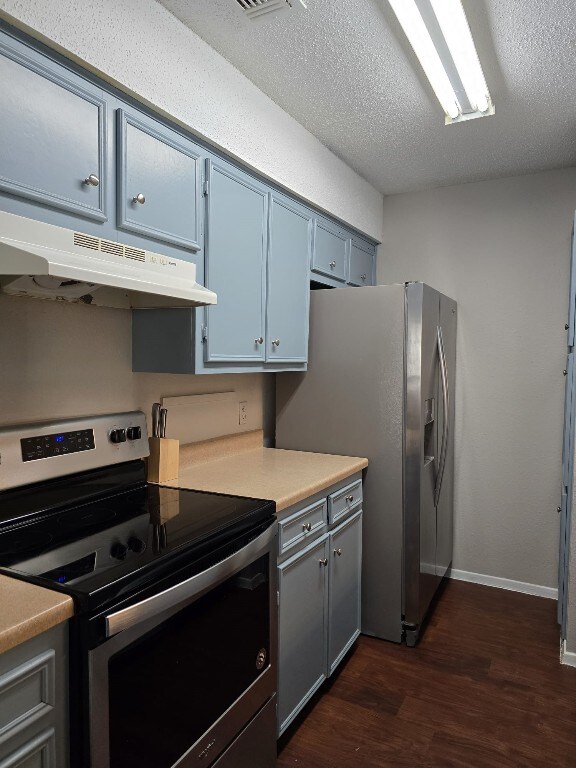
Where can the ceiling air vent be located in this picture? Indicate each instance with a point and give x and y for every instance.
(255, 9)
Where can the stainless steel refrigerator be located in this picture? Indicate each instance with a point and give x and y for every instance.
(380, 384)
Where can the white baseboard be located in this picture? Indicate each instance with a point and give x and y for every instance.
(567, 657)
(495, 581)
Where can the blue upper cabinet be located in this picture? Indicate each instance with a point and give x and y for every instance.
(257, 259)
(52, 134)
(287, 299)
(361, 264)
(235, 260)
(331, 246)
(159, 182)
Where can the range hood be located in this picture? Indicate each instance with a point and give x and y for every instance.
(49, 262)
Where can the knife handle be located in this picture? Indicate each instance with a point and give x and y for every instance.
(156, 420)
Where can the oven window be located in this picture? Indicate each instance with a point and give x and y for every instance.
(171, 685)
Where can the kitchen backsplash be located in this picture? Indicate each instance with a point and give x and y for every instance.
(61, 359)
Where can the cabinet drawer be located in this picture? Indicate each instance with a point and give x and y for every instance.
(302, 525)
(361, 264)
(38, 752)
(27, 693)
(330, 250)
(341, 502)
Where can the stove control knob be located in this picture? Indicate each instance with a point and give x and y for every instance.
(136, 544)
(118, 551)
(134, 433)
(117, 435)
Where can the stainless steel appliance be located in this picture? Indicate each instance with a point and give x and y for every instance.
(380, 384)
(173, 644)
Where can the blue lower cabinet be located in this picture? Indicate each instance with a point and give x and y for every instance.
(302, 617)
(345, 554)
(159, 182)
(52, 134)
(319, 578)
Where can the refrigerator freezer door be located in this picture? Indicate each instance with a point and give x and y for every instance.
(445, 505)
(351, 402)
(422, 448)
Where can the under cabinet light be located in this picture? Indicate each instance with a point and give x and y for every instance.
(440, 36)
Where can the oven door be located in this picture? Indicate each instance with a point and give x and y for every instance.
(182, 672)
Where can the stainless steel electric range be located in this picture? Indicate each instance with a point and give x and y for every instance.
(173, 643)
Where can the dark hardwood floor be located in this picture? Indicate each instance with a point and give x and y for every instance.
(484, 688)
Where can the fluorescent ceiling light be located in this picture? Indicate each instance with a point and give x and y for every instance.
(440, 36)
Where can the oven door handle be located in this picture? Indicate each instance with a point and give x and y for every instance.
(191, 588)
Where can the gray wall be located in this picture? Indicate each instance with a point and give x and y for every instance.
(60, 359)
(502, 250)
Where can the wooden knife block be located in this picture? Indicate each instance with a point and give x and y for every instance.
(164, 459)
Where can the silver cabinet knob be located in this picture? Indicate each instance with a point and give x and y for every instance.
(338, 552)
(323, 561)
(276, 342)
(307, 526)
(363, 276)
(332, 264)
(565, 372)
(566, 326)
(140, 198)
(92, 180)
(350, 498)
(259, 340)
(558, 509)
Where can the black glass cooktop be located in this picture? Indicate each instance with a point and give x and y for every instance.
(97, 534)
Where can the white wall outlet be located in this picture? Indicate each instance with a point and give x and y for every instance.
(242, 412)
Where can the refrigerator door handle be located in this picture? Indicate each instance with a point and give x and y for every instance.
(446, 426)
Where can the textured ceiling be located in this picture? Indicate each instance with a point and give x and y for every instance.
(344, 70)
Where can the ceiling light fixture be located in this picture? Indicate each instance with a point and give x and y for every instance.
(440, 36)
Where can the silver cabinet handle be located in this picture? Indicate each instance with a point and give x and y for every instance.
(276, 342)
(323, 561)
(332, 264)
(363, 276)
(140, 198)
(307, 527)
(259, 340)
(338, 552)
(350, 498)
(92, 180)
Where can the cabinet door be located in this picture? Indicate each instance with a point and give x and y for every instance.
(288, 289)
(236, 234)
(361, 263)
(159, 182)
(52, 134)
(302, 629)
(345, 555)
(330, 249)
